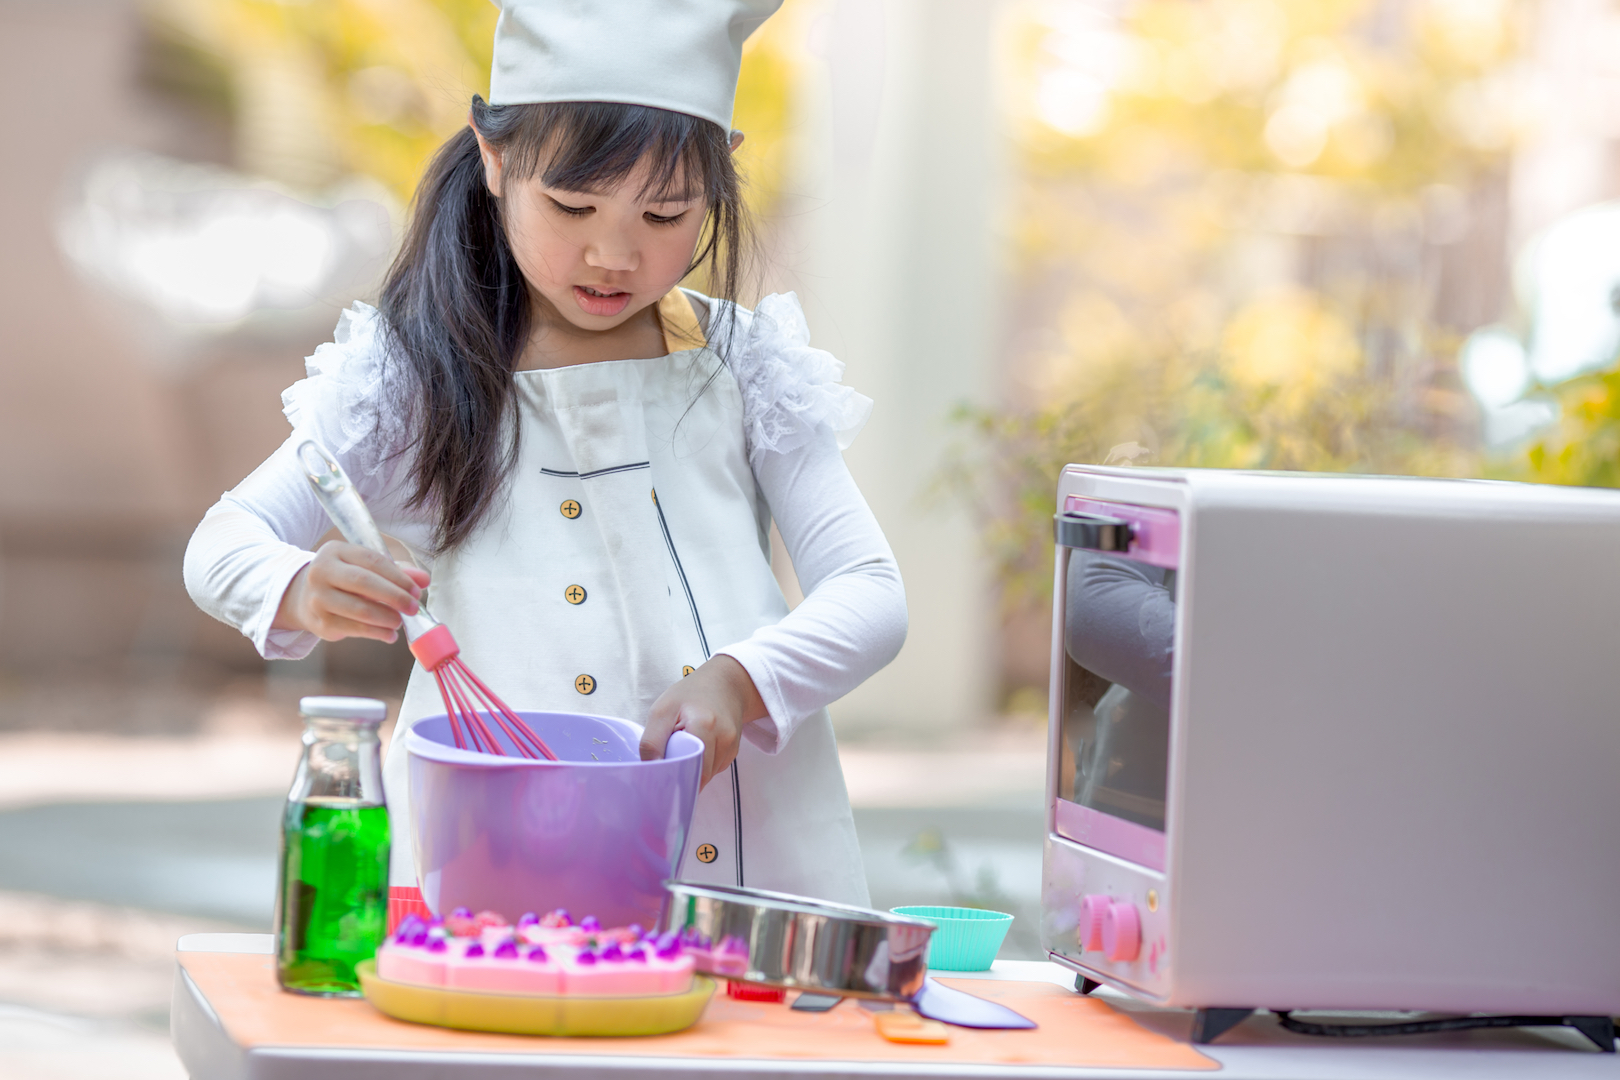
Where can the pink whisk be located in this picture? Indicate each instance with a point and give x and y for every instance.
(430, 640)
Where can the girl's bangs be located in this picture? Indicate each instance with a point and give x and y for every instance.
(595, 146)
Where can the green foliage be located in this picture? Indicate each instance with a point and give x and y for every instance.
(1583, 447)
(1190, 410)
(1223, 245)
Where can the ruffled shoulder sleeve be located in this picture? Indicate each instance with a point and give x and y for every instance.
(789, 388)
(352, 400)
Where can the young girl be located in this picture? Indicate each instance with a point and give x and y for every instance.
(583, 459)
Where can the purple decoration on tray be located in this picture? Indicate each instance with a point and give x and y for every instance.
(474, 951)
(636, 932)
(538, 954)
(637, 954)
(562, 913)
(461, 913)
(590, 922)
(586, 958)
(437, 945)
(528, 918)
(612, 954)
(669, 950)
(506, 950)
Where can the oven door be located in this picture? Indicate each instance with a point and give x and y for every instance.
(1117, 571)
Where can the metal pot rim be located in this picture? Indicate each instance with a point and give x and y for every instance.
(799, 905)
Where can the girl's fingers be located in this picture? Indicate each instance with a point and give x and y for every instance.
(708, 763)
(335, 627)
(361, 582)
(345, 605)
(720, 758)
(387, 574)
(718, 750)
(655, 736)
(690, 705)
(338, 554)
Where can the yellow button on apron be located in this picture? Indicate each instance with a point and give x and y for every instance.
(687, 670)
(707, 853)
(585, 684)
(574, 594)
(569, 508)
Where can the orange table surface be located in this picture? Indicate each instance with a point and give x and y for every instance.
(1074, 1031)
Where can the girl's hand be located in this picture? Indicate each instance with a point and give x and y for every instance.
(350, 591)
(713, 703)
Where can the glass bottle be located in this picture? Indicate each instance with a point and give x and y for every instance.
(332, 893)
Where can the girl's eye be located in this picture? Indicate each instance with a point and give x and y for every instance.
(657, 219)
(571, 211)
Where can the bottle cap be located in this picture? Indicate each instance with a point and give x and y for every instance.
(364, 709)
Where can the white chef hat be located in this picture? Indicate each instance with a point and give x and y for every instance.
(681, 55)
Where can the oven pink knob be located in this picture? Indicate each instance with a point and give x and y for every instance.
(1122, 931)
(1092, 910)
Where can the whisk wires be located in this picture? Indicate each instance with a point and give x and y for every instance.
(463, 694)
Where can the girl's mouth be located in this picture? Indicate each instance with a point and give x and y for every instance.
(601, 301)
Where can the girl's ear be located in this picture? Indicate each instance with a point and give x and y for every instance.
(736, 140)
(492, 161)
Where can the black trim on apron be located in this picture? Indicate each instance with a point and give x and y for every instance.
(599, 472)
(703, 641)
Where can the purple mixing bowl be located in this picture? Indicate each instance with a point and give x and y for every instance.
(597, 832)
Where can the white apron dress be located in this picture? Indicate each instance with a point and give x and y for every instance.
(633, 546)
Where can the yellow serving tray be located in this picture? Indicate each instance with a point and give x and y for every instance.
(519, 1014)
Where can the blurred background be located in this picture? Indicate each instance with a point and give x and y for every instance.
(1330, 235)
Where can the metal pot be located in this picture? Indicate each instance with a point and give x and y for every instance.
(796, 943)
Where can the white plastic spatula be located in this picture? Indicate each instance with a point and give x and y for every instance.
(939, 1002)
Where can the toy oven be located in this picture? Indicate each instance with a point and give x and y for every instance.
(1322, 742)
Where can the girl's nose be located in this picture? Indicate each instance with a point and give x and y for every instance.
(612, 257)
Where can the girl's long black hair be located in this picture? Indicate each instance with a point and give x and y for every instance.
(457, 308)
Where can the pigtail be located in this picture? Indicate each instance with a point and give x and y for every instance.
(457, 312)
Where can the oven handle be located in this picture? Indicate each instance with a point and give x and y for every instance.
(1092, 532)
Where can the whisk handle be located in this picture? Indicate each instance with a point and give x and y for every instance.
(343, 504)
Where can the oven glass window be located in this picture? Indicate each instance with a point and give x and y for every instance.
(1120, 617)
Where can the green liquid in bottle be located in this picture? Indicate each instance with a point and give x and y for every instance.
(332, 911)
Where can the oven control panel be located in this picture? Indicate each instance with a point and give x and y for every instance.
(1106, 917)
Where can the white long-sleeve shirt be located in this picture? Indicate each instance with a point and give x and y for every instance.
(794, 415)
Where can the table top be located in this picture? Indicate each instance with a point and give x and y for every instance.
(229, 1023)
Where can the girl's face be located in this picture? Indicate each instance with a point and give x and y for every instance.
(597, 258)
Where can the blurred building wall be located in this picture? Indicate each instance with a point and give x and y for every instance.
(891, 249)
(116, 434)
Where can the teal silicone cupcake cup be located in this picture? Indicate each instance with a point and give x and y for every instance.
(967, 939)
